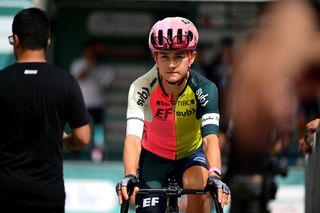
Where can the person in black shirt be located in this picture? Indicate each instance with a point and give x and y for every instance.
(37, 100)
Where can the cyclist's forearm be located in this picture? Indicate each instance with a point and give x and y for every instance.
(212, 151)
(131, 154)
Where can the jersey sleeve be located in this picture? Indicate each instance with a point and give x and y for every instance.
(77, 114)
(208, 102)
(135, 115)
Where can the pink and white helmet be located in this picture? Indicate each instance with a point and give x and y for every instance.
(173, 33)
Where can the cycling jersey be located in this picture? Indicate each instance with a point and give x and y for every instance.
(172, 130)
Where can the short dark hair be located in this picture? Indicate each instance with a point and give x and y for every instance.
(32, 27)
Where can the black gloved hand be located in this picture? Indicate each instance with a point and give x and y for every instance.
(130, 181)
(213, 183)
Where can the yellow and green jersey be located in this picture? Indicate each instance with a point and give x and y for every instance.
(172, 130)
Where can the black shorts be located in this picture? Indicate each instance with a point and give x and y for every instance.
(154, 170)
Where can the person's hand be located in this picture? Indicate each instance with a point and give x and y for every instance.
(216, 186)
(305, 143)
(304, 146)
(129, 185)
(65, 135)
(313, 125)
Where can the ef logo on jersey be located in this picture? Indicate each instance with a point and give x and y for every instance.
(162, 114)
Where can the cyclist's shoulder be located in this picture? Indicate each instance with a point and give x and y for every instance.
(199, 83)
(147, 80)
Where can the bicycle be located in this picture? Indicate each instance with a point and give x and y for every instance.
(172, 192)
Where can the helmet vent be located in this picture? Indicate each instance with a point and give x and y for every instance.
(190, 36)
(179, 36)
(160, 37)
(169, 36)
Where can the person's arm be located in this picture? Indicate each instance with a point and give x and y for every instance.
(77, 117)
(257, 105)
(131, 154)
(305, 143)
(213, 157)
(78, 138)
(210, 127)
(132, 145)
(212, 152)
(313, 125)
(134, 132)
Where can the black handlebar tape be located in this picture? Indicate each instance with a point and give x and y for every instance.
(218, 206)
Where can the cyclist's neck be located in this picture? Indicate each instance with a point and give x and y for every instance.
(176, 89)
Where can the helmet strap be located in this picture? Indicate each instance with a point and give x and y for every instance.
(189, 58)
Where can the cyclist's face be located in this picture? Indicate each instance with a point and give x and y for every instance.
(174, 64)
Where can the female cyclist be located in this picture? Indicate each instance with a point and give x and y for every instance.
(172, 123)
